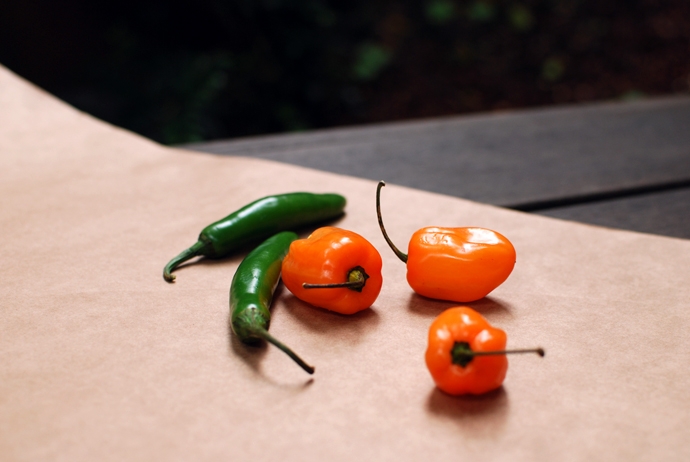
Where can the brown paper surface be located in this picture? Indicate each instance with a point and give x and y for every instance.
(103, 360)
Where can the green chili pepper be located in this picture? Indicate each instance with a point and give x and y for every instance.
(257, 221)
(252, 290)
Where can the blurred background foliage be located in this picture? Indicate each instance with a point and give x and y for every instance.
(182, 72)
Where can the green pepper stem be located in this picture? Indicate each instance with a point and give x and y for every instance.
(356, 280)
(263, 333)
(188, 254)
(401, 255)
(462, 354)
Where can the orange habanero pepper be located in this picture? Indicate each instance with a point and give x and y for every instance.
(334, 269)
(457, 264)
(466, 354)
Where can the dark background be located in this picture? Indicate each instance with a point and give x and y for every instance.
(191, 71)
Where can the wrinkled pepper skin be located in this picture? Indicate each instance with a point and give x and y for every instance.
(483, 373)
(327, 257)
(458, 264)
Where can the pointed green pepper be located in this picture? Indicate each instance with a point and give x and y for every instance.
(251, 293)
(256, 221)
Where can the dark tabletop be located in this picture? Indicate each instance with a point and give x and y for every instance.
(619, 164)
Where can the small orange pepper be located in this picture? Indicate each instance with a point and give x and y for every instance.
(465, 354)
(457, 264)
(334, 269)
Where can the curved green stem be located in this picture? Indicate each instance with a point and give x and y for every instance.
(263, 333)
(402, 256)
(356, 280)
(188, 254)
(462, 354)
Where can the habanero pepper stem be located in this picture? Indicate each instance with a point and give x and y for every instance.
(356, 280)
(356, 285)
(401, 255)
(462, 353)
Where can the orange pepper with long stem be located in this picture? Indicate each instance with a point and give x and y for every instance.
(465, 354)
(334, 269)
(457, 264)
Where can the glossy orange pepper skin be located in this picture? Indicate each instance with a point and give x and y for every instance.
(326, 257)
(482, 373)
(458, 264)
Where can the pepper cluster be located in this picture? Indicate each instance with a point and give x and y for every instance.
(339, 270)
